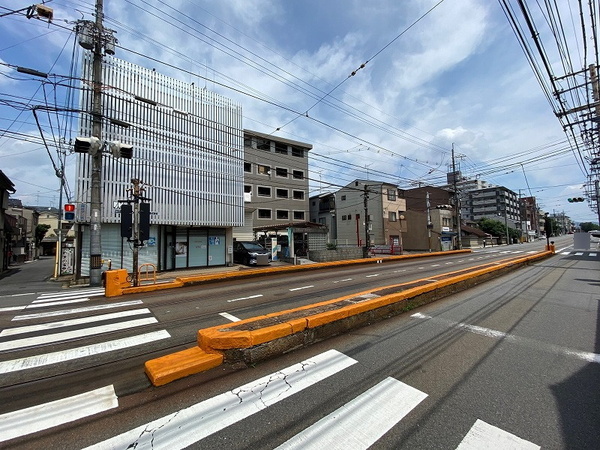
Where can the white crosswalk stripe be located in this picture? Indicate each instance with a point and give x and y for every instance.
(48, 415)
(483, 435)
(362, 421)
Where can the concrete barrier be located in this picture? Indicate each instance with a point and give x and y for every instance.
(262, 337)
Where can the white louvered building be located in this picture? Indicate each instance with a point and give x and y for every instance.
(188, 152)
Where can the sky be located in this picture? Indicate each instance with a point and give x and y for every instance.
(383, 90)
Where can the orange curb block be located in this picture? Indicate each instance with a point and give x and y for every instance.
(213, 341)
(171, 367)
(123, 287)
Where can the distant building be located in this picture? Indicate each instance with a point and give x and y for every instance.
(440, 231)
(344, 214)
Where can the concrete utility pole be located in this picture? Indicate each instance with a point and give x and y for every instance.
(96, 193)
(456, 203)
(366, 203)
(429, 224)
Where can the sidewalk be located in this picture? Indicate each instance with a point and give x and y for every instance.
(29, 275)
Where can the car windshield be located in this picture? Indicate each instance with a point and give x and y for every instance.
(253, 247)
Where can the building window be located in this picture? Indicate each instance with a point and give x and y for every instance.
(299, 215)
(263, 191)
(264, 213)
(263, 144)
(392, 216)
(343, 197)
(281, 172)
(263, 170)
(280, 148)
(299, 152)
(248, 188)
(248, 167)
(247, 141)
(391, 194)
(283, 214)
(298, 195)
(298, 174)
(282, 193)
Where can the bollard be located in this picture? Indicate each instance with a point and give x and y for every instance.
(116, 280)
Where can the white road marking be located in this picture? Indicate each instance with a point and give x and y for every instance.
(435, 265)
(531, 343)
(483, 435)
(52, 414)
(303, 287)
(71, 322)
(66, 335)
(361, 422)
(229, 317)
(66, 302)
(47, 359)
(180, 429)
(343, 281)
(77, 310)
(593, 255)
(579, 254)
(66, 295)
(12, 308)
(245, 298)
(373, 275)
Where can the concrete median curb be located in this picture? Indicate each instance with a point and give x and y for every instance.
(116, 285)
(262, 337)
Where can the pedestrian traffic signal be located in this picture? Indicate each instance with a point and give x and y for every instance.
(575, 199)
(69, 212)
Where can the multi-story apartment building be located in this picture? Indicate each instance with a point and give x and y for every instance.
(188, 154)
(275, 183)
(349, 218)
(495, 202)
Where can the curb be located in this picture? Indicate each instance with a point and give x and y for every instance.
(263, 337)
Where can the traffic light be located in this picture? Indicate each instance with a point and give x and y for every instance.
(89, 145)
(69, 212)
(120, 150)
(126, 221)
(575, 199)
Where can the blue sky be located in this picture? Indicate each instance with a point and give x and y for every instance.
(456, 76)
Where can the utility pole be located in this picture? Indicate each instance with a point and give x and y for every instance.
(366, 204)
(429, 224)
(96, 193)
(456, 203)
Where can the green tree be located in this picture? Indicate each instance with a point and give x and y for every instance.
(493, 227)
(40, 232)
(589, 226)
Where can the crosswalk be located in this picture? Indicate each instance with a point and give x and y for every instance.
(356, 425)
(63, 318)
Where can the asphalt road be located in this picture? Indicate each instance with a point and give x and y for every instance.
(518, 354)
